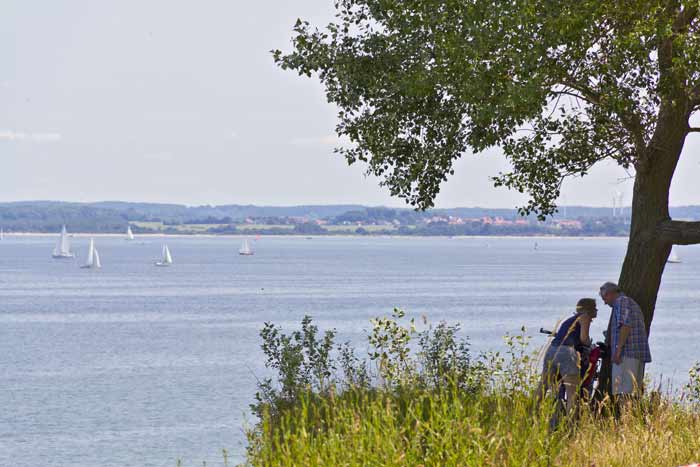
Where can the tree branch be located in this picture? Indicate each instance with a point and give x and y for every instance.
(630, 121)
(693, 130)
(585, 91)
(679, 232)
(684, 18)
(572, 94)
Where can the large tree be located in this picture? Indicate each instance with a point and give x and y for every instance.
(558, 85)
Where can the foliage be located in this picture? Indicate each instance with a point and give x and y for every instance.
(302, 360)
(307, 364)
(309, 228)
(692, 389)
(354, 371)
(520, 362)
(420, 417)
(389, 342)
(445, 360)
(558, 86)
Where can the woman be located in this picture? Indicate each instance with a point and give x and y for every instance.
(561, 360)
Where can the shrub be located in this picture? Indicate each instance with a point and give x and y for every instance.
(692, 388)
(421, 399)
(389, 341)
(307, 363)
(445, 359)
(302, 360)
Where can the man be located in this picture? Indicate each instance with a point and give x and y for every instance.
(629, 342)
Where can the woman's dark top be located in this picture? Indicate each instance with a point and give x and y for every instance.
(569, 333)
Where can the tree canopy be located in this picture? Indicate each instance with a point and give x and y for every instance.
(557, 84)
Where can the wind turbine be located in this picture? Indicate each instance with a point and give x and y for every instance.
(620, 203)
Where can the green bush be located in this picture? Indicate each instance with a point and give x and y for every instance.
(421, 399)
(308, 363)
(303, 362)
(692, 389)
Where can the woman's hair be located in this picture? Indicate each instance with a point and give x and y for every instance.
(588, 306)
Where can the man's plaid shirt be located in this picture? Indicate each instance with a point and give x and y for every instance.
(626, 312)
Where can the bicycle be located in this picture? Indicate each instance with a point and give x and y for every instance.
(591, 363)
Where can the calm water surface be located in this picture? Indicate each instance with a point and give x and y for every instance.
(135, 365)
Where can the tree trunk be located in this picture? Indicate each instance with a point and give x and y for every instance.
(647, 251)
(645, 259)
(646, 255)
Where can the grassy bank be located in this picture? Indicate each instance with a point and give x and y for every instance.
(421, 399)
(442, 429)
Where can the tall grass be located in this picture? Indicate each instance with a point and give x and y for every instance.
(650, 433)
(433, 404)
(416, 427)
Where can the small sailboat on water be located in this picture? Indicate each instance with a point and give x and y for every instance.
(245, 249)
(2, 235)
(62, 248)
(93, 258)
(167, 259)
(673, 257)
(129, 234)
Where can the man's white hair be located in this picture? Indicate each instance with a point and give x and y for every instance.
(609, 287)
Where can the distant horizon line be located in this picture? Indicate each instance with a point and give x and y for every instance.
(593, 206)
(296, 205)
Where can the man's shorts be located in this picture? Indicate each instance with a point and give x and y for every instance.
(628, 376)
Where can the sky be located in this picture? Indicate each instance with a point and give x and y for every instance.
(179, 101)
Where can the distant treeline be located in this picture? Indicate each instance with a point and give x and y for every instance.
(112, 217)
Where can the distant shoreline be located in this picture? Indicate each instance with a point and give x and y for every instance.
(314, 220)
(301, 236)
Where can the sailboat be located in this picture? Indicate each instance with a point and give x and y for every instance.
(93, 259)
(167, 258)
(129, 234)
(2, 235)
(62, 249)
(245, 249)
(674, 258)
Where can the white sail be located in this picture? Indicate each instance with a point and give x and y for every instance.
(62, 249)
(2, 235)
(93, 257)
(65, 241)
(167, 257)
(91, 254)
(673, 257)
(129, 233)
(245, 249)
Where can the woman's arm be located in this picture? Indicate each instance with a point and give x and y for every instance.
(585, 322)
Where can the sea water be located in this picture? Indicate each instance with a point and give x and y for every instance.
(136, 365)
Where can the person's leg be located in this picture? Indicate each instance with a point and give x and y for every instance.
(571, 383)
(627, 381)
(545, 384)
(616, 379)
(631, 376)
(638, 374)
(548, 375)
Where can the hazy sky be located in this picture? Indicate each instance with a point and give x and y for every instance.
(179, 101)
